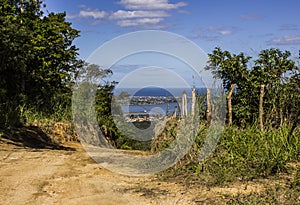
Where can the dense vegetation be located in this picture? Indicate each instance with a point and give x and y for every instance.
(262, 136)
(38, 61)
(39, 65)
(274, 71)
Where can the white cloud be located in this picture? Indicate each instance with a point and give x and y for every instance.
(222, 30)
(285, 40)
(151, 4)
(121, 14)
(213, 33)
(226, 32)
(136, 13)
(96, 14)
(139, 22)
(144, 13)
(69, 16)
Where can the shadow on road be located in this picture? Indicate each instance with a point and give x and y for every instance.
(31, 137)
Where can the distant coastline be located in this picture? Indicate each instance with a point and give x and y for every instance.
(158, 92)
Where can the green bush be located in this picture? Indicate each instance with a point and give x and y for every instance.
(241, 154)
(249, 153)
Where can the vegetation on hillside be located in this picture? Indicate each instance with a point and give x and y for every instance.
(38, 62)
(39, 67)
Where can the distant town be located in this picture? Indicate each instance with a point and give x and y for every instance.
(142, 116)
(151, 100)
(125, 98)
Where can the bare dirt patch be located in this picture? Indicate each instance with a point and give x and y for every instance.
(67, 175)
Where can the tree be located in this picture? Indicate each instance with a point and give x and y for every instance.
(263, 92)
(232, 69)
(272, 69)
(38, 62)
(292, 102)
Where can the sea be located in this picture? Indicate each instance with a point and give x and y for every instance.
(157, 91)
(157, 109)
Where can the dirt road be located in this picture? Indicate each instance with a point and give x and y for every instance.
(70, 176)
(32, 176)
(46, 176)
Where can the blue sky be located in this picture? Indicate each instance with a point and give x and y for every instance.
(233, 25)
(238, 26)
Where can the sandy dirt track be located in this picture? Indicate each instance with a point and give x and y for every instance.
(57, 175)
(46, 176)
(42, 176)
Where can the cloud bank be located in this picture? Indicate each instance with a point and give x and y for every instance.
(135, 13)
(285, 40)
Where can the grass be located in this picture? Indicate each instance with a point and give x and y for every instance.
(248, 154)
(274, 195)
(270, 159)
(241, 155)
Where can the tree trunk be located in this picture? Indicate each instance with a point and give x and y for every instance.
(261, 107)
(193, 101)
(230, 104)
(208, 111)
(281, 115)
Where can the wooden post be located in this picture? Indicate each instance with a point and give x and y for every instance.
(208, 111)
(261, 107)
(193, 101)
(22, 7)
(184, 104)
(175, 112)
(178, 106)
(230, 104)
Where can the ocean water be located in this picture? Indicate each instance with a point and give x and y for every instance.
(154, 109)
(157, 91)
(164, 108)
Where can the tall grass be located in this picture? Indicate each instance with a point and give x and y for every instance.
(249, 153)
(241, 155)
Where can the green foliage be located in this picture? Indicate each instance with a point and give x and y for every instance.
(166, 138)
(274, 69)
(241, 155)
(249, 153)
(38, 61)
(104, 105)
(232, 69)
